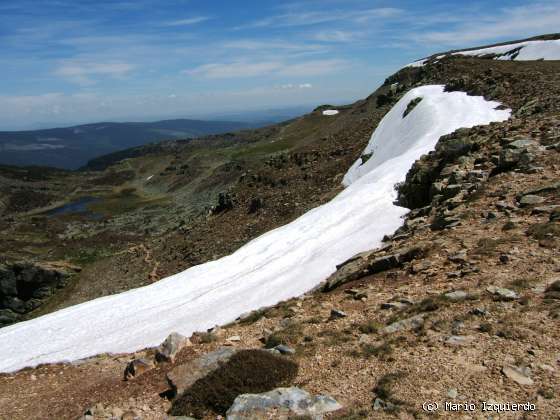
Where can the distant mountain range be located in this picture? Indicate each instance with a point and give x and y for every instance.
(73, 147)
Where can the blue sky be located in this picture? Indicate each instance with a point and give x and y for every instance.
(71, 61)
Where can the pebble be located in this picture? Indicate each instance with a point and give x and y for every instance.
(519, 375)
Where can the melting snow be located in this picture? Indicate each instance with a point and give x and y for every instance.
(418, 63)
(521, 51)
(330, 112)
(529, 50)
(278, 265)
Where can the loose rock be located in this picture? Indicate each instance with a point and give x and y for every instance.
(521, 376)
(412, 323)
(137, 367)
(281, 403)
(172, 345)
(502, 293)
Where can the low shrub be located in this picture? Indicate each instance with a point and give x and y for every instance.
(247, 372)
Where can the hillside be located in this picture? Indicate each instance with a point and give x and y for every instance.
(458, 304)
(73, 147)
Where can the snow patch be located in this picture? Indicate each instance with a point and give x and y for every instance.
(522, 51)
(330, 112)
(278, 265)
(418, 63)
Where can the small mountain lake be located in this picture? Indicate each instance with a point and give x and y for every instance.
(79, 206)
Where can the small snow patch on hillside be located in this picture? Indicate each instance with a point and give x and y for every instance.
(330, 112)
(520, 51)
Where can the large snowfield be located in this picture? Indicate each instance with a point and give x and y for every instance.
(521, 51)
(278, 265)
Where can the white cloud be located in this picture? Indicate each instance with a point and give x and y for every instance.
(335, 36)
(296, 86)
(187, 22)
(82, 73)
(534, 19)
(271, 45)
(233, 70)
(278, 68)
(309, 18)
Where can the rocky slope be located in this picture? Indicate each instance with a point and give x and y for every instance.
(460, 305)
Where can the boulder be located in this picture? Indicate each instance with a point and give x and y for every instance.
(522, 144)
(7, 282)
(172, 345)
(183, 376)
(554, 286)
(23, 285)
(7, 317)
(283, 349)
(281, 403)
(452, 190)
(501, 293)
(136, 368)
(530, 200)
(509, 158)
(456, 296)
(546, 209)
(553, 290)
(368, 263)
(407, 324)
(459, 258)
(441, 222)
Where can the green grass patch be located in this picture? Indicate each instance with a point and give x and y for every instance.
(290, 336)
(125, 201)
(490, 246)
(544, 230)
(369, 327)
(522, 283)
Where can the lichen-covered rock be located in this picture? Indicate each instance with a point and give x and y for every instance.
(407, 324)
(367, 263)
(501, 293)
(281, 403)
